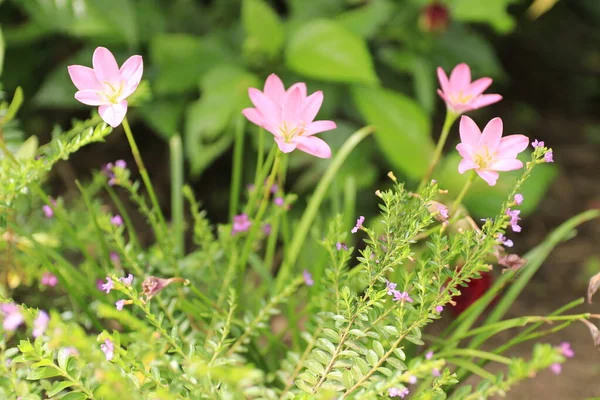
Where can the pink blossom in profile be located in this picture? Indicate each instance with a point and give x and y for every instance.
(40, 324)
(12, 317)
(556, 368)
(49, 279)
(106, 85)
(488, 152)
(108, 348)
(462, 95)
(289, 115)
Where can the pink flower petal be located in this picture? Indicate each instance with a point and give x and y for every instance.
(469, 131)
(90, 97)
(269, 109)
(479, 86)
(313, 146)
(492, 133)
(253, 115)
(320, 126)
(292, 106)
(512, 145)
(466, 151)
(443, 81)
(299, 85)
(506, 165)
(84, 77)
(465, 165)
(284, 146)
(489, 176)
(460, 78)
(131, 72)
(311, 107)
(105, 65)
(113, 114)
(274, 88)
(486, 100)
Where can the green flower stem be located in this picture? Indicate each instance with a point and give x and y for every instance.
(236, 172)
(463, 192)
(259, 180)
(144, 173)
(314, 203)
(160, 329)
(176, 160)
(450, 118)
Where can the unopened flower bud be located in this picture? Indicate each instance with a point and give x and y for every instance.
(152, 285)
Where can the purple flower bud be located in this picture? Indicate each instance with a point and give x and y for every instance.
(308, 280)
(121, 164)
(40, 324)
(518, 199)
(152, 285)
(49, 279)
(48, 212)
(108, 348)
(359, 224)
(241, 223)
(116, 220)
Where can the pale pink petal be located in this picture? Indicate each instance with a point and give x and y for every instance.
(113, 114)
(131, 73)
(285, 146)
(311, 107)
(105, 65)
(479, 86)
(320, 126)
(460, 78)
(466, 165)
(489, 176)
(465, 150)
(492, 133)
(267, 107)
(299, 85)
(512, 145)
(469, 131)
(274, 88)
(292, 107)
(506, 165)
(486, 100)
(253, 115)
(443, 81)
(91, 97)
(313, 146)
(84, 77)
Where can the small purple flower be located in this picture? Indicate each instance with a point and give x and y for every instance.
(48, 212)
(518, 199)
(127, 281)
(435, 372)
(49, 279)
(566, 350)
(439, 309)
(99, 284)
(339, 246)
(556, 368)
(274, 188)
(108, 348)
(121, 164)
(114, 257)
(267, 229)
(402, 296)
(308, 279)
(279, 201)
(40, 324)
(109, 285)
(429, 355)
(359, 224)
(548, 157)
(107, 169)
(12, 316)
(514, 219)
(537, 143)
(395, 392)
(116, 220)
(443, 210)
(119, 304)
(241, 223)
(412, 379)
(506, 242)
(390, 287)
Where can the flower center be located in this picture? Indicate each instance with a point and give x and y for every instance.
(112, 93)
(289, 132)
(460, 97)
(483, 158)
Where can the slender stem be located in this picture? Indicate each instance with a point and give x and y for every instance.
(450, 118)
(143, 172)
(236, 172)
(176, 159)
(464, 191)
(315, 202)
(259, 180)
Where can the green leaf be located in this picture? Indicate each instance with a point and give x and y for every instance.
(57, 387)
(326, 50)
(402, 128)
(224, 95)
(74, 396)
(181, 59)
(15, 105)
(63, 357)
(264, 30)
(493, 12)
(42, 373)
(28, 149)
(365, 21)
(2, 50)
(121, 15)
(483, 200)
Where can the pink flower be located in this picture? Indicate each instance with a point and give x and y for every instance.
(119, 304)
(279, 201)
(566, 350)
(49, 279)
(395, 392)
(106, 85)
(548, 157)
(109, 285)
(439, 309)
(267, 229)
(48, 212)
(443, 211)
(537, 144)
(436, 372)
(488, 152)
(518, 199)
(402, 296)
(308, 279)
(462, 95)
(412, 379)
(241, 223)
(108, 348)
(12, 316)
(358, 225)
(116, 220)
(289, 116)
(514, 219)
(506, 242)
(127, 281)
(429, 355)
(40, 324)
(556, 368)
(390, 287)
(339, 246)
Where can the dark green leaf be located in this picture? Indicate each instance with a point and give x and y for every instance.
(366, 20)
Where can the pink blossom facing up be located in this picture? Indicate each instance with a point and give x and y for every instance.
(126, 280)
(395, 392)
(566, 350)
(308, 279)
(241, 223)
(359, 224)
(106, 85)
(109, 285)
(462, 95)
(514, 219)
(289, 115)
(556, 368)
(12, 316)
(116, 220)
(108, 348)
(439, 309)
(49, 279)
(536, 143)
(518, 199)
(402, 296)
(40, 324)
(488, 153)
